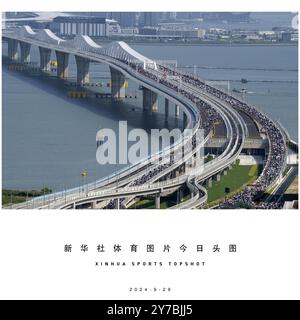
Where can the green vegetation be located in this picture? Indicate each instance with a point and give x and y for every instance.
(236, 179)
(165, 202)
(208, 158)
(18, 196)
(286, 170)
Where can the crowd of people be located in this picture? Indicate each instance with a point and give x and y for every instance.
(277, 148)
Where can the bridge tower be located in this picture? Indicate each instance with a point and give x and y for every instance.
(25, 52)
(45, 56)
(62, 64)
(150, 100)
(13, 49)
(117, 83)
(83, 74)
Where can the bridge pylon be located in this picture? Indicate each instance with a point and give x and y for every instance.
(45, 58)
(185, 120)
(83, 74)
(25, 52)
(157, 201)
(150, 100)
(117, 83)
(176, 111)
(13, 49)
(166, 110)
(62, 64)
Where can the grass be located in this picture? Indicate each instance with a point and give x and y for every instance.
(208, 158)
(236, 179)
(18, 196)
(165, 202)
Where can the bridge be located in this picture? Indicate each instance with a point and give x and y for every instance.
(201, 104)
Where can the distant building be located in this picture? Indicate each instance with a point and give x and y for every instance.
(184, 33)
(3, 20)
(70, 26)
(294, 37)
(149, 19)
(130, 31)
(113, 27)
(253, 37)
(225, 16)
(286, 36)
(168, 16)
(188, 15)
(218, 31)
(124, 19)
(269, 35)
(148, 31)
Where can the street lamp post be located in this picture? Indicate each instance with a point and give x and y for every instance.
(83, 175)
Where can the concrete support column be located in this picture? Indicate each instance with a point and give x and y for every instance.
(45, 55)
(166, 109)
(176, 111)
(62, 64)
(185, 120)
(230, 167)
(117, 203)
(225, 172)
(25, 52)
(93, 205)
(209, 182)
(117, 84)
(157, 201)
(179, 195)
(150, 100)
(218, 177)
(83, 74)
(13, 49)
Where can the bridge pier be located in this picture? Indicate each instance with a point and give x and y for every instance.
(179, 195)
(117, 83)
(12, 49)
(117, 203)
(225, 172)
(83, 74)
(176, 111)
(166, 110)
(150, 100)
(209, 182)
(157, 201)
(62, 64)
(25, 52)
(185, 120)
(45, 56)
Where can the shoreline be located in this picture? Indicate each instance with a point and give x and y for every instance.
(208, 44)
